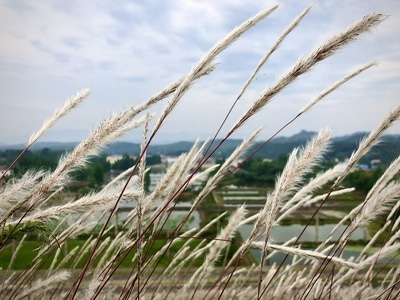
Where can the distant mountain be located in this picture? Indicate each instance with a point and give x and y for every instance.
(341, 147)
(299, 137)
(41, 145)
(172, 149)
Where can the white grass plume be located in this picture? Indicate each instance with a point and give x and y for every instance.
(318, 181)
(58, 114)
(106, 132)
(16, 251)
(276, 45)
(217, 246)
(374, 207)
(94, 201)
(207, 59)
(15, 191)
(335, 86)
(296, 167)
(222, 171)
(307, 254)
(57, 277)
(367, 143)
(327, 49)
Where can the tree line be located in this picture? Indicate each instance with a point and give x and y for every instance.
(256, 171)
(92, 176)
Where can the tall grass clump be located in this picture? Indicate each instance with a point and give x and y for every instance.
(142, 259)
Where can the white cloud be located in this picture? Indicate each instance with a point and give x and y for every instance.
(127, 51)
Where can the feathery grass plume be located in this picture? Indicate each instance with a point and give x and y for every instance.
(219, 175)
(313, 102)
(396, 207)
(380, 184)
(95, 201)
(16, 190)
(120, 176)
(110, 251)
(371, 242)
(176, 175)
(67, 258)
(79, 226)
(335, 86)
(167, 91)
(178, 183)
(140, 199)
(242, 283)
(107, 130)
(153, 259)
(258, 68)
(367, 143)
(181, 270)
(217, 246)
(318, 181)
(16, 251)
(195, 253)
(202, 176)
(161, 191)
(84, 249)
(288, 195)
(308, 200)
(57, 277)
(296, 167)
(287, 183)
(58, 114)
(330, 47)
(314, 255)
(373, 207)
(207, 59)
(292, 175)
(370, 261)
(276, 45)
(387, 176)
(54, 261)
(304, 202)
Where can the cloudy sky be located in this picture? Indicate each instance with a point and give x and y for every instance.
(126, 51)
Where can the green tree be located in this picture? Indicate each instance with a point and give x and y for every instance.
(124, 163)
(363, 180)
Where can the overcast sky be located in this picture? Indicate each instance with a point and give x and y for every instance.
(126, 51)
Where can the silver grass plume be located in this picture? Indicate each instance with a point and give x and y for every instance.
(307, 254)
(199, 232)
(292, 175)
(39, 284)
(105, 133)
(95, 202)
(367, 143)
(215, 249)
(315, 183)
(207, 59)
(308, 200)
(276, 45)
(58, 114)
(335, 86)
(387, 176)
(222, 171)
(18, 189)
(373, 207)
(327, 49)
